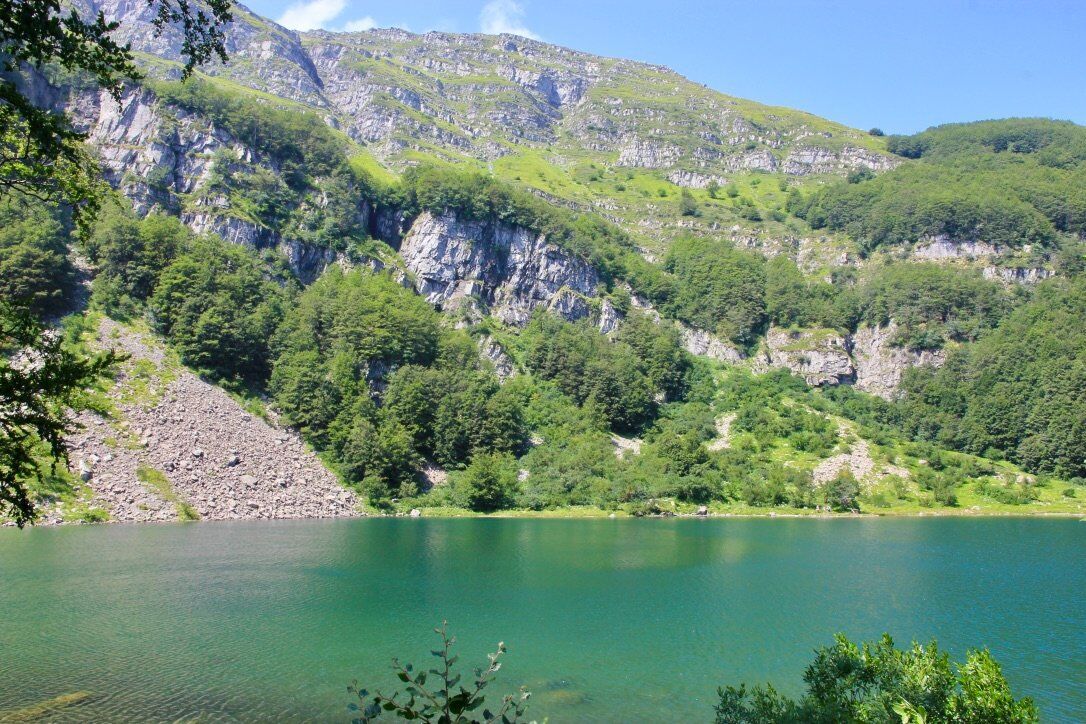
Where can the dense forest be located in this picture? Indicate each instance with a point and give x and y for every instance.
(1006, 183)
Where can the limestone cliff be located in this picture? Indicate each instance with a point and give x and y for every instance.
(868, 358)
(504, 270)
(880, 364)
(818, 356)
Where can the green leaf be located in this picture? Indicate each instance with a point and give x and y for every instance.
(458, 703)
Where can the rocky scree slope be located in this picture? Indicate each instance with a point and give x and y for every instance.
(179, 446)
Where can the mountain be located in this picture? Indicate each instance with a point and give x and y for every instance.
(597, 282)
(614, 136)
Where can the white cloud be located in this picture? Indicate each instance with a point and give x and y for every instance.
(311, 15)
(362, 24)
(504, 16)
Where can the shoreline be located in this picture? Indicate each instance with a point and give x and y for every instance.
(585, 513)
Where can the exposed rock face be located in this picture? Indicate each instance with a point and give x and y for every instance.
(818, 356)
(806, 160)
(307, 260)
(868, 358)
(1018, 275)
(880, 365)
(230, 228)
(509, 270)
(643, 305)
(149, 154)
(609, 317)
(649, 154)
(706, 344)
(942, 247)
(482, 95)
(272, 56)
(155, 154)
(756, 160)
(491, 350)
(694, 180)
(221, 460)
(440, 94)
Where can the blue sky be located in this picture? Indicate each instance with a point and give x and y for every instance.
(901, 66)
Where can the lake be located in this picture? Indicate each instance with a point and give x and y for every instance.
(605, 620)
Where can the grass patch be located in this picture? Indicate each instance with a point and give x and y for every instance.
(156, 480)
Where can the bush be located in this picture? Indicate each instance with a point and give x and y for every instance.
(620, 379)
(1018, 389)
(842, 492)
(876, 682)
(215, 306)
(131, 255)
(364, 368)
(1008, 183)
(687, 205)
(489, 482)
(931, 304)
(444, 701)
(720, 288)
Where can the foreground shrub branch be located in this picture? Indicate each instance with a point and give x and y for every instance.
(445, 701)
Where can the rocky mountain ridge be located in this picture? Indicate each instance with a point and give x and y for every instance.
(483, 96)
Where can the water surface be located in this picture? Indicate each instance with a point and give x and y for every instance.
(605, 620)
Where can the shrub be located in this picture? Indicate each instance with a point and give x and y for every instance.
(489, 482)
(720, 288)
(841, 492)
(877, 682)
(445, 700)
(35, 271)
(688, 206)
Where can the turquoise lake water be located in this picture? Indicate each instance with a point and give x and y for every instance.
(605, 620)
